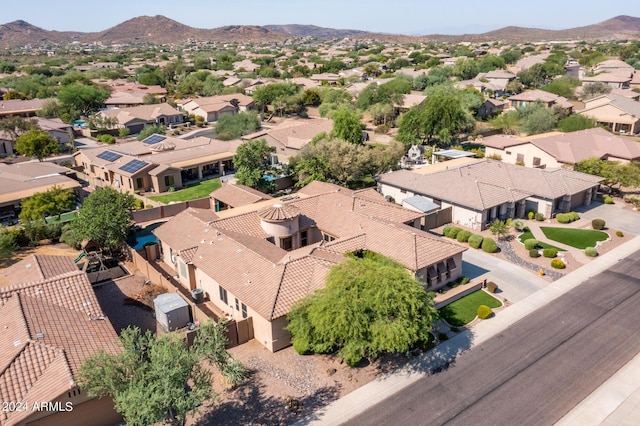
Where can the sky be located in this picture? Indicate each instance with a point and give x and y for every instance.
(411, 17)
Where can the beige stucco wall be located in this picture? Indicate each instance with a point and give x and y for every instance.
(528, 150)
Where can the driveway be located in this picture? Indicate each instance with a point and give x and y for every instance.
(614, 216)
(515, 283)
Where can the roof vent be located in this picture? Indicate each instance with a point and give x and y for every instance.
(39, 336)
(85, 304)
(16, 342)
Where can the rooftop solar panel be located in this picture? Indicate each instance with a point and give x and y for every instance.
(109, 156)
(154, 139)
(133, 166)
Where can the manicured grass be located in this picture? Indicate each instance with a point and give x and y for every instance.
(464, 310)
(64, 217)
(199, 190)
(578, 238)
(527, 234)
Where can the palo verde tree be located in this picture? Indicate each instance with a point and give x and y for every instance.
(37, 143)
(155, 378)
(370, 305)
(53, 201)
(347, 125)
(105, 217)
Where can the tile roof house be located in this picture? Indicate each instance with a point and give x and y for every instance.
(50, 322)
(548, 100)
(156, 163)
(290, 136)
(618, 113)
(23, 108)
(22, 180)
(258, 260)
(559, 149)
(479, 192)
(229, 196)
(211, 108)
(138, 117)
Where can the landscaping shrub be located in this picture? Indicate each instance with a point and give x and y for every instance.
(148, 206)
(563, 218)
(550, 253)
(534, 253)
(108, 139)
(138, 204)
(531, 243)
(557, 264)
(453, 232)
(607, 199)
(531, 215)
(574, 216)
(492, 287)
(463, 236)
(489, 245)
(632, 199)
(464, 280)
(484, 312)
(445, 230)
(591, 251)
(597, 224)
(619, 234)
(475, 241)
(518, 225)
(539, 217)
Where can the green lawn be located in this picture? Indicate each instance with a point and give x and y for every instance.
(464, 310)
(199, 190)
(64, 217)
(527, 234)
(578, 238)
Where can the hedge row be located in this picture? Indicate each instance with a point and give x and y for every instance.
(474, 240)
(567, 217)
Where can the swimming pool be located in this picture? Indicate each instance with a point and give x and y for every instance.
(141, 240)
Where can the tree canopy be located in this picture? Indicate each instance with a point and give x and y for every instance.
(105, 217)
(155, 378)
(613, 172)
(576, 122)
(37, 143)
(81, 99)
(233, 126)
(7, 244)
(251, 162)
(370, 305)
(53, 201)
(347, 125)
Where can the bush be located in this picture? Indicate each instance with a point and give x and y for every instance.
(534, 253)
(591, 251)
(464, 280)
(453, 232)
(138, 204)
(148, 206)
(484, 312)
(539, 217)
(489, 245)
(492, 287)
(550, 253)
(301, 345)
(531, 243)
(531, 215)
(445, 230)
(619, 234)
(574, 216)
(607, 199)
(463, 236)
(475, 241)
(558, 264)
(518, 225)
(563, 218)
(123, 132)
(597, 224)
(107, 139)
(632, 199)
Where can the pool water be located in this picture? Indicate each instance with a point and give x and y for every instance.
(141, 240)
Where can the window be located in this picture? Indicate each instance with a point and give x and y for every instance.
(286, 243)
(183, 270)
(520, 158)
(403, 191)
(106, 176)
(244, 310)
(223, 295)
(169, 180)
(237, 304)
(327, 237)
(172, 255)
(304, 238)
(536, 161)
(508, 152)
(139, 183)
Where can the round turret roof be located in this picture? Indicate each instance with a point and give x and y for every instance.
(279, 212)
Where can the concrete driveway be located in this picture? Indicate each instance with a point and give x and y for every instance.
(614, 216)
(515, 283)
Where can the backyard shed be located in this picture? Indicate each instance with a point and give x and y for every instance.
(172, 311)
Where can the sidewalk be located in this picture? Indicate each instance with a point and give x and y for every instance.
(368, 395)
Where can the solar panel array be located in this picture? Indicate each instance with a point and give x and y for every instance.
(109, 156)
(133, 166)
(154, 139)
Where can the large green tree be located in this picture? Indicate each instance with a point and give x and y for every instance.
(613, 172)
(81, 99)
(53, 201)
(7, 244)
(251, 162)
(233, 126)
(105, 217)
(37, 143)
(576, 122)
(14, 125)
(370, 305)
(155, 378)
(347, 125)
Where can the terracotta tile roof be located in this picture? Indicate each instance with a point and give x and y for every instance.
(279, 212)
(235, 195)
(187, 255)
(47, 329)
(297, 133)
(541, 95)
(183, 230)
(39, 267)
(145, 113)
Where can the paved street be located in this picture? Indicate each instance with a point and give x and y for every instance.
(536, 370)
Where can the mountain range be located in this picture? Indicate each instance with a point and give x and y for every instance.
(162, 30)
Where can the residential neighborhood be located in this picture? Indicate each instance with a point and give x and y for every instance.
(262, 224)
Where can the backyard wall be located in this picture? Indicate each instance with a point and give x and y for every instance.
(169, 210)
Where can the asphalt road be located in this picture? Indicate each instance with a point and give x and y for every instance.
(535, 371)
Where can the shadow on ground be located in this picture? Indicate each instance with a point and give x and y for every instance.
(248, 405)
(122, 310)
